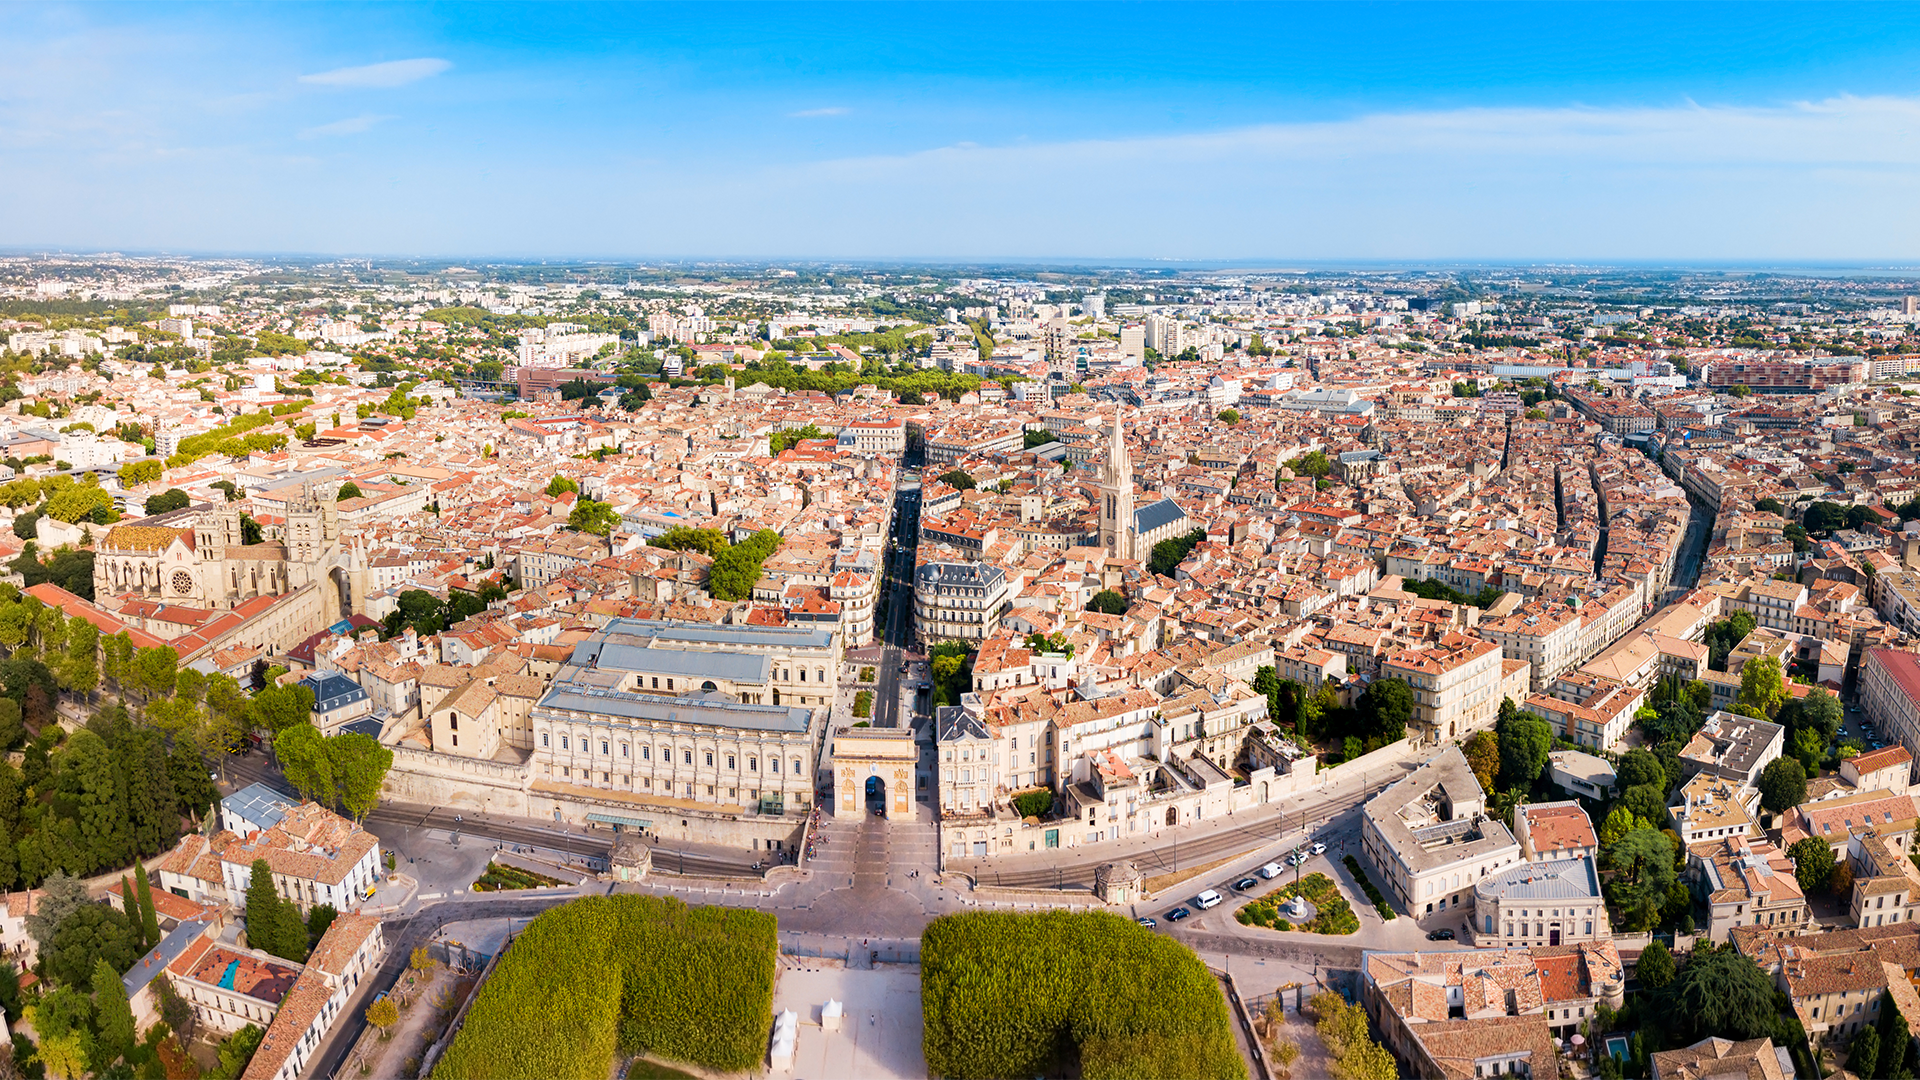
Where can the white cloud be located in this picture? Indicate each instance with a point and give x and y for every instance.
(835, 110)
(352, 125)
(380, 76)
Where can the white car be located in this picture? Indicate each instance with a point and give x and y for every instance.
(1206, 900)
(1269, 871)
(1318, 848)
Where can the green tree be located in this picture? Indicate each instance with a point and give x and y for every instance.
(1655, 969)
(1387, 706)
(168, 500)
(235, 1051)
(1641, 863)
(87, 773)
(1722, 993)
(1808, 748)
(1866, 1051)
(112, 1014)
(155, 670)
(1813, 864)
(60, 897)
(318, 920)
(1229, 416)
(91, 934)
(1482, 750)
(1819, 711)
(560, 485)
(1783, 784)
(598, 518)
(1108, 601)
(1314, 463)
(304, 759)
(791, 437)
(135, 473)
(278, 708)
(1648, 803)
(273, 924)
(149, 918)
(78, 503)
(1639, 766)
(958, 480)
(1620, 821)
(348, 490)
(1762, 685)
(1525, 742)
(360, 766)
(709, 542)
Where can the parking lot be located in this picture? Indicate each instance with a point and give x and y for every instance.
(1306, 856)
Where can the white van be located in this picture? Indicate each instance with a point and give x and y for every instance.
(1269, 871)
(1208, 899)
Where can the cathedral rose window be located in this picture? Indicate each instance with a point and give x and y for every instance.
(182, 582)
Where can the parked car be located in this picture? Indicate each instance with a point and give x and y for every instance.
(1148, 923)
(1269, 871)
(1177, 914)
(1209, 899)
(1318, 848)
(1246, 883)
(1296, 859)
(1440, 935)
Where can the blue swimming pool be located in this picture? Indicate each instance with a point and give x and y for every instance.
(1617, 1046)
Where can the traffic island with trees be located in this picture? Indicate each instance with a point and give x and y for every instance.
(614, 975)
(1057, 993)
(1331, 912)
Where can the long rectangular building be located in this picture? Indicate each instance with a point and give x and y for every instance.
(656, 717)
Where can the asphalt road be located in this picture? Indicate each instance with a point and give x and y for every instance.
(895, 634)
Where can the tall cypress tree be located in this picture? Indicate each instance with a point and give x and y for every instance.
(149, 919)
(130, 900)
(111, 1012)
(263, 911)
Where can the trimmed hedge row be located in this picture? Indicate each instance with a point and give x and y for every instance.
(1366, 885)
(633, 974)
(1005, 995)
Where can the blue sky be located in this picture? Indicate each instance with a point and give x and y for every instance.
(1618, 132)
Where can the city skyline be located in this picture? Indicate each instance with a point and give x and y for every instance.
(1409, 135)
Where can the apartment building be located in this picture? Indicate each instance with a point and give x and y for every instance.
(1715, 808)
(1747, 882)
(1734, 747)
(1429, 836)
(957, 601)
(1889, 686)
(1886, 884)
(1488, 1014)
(347, 953)
(1866, 814)
(1554, 830)
(1546, 636)
(1457, 686)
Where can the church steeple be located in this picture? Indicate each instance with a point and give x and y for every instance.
(1116, 494)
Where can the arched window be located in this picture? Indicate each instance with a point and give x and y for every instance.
(709, 685)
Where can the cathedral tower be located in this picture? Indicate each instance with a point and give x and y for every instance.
(1116, 494)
